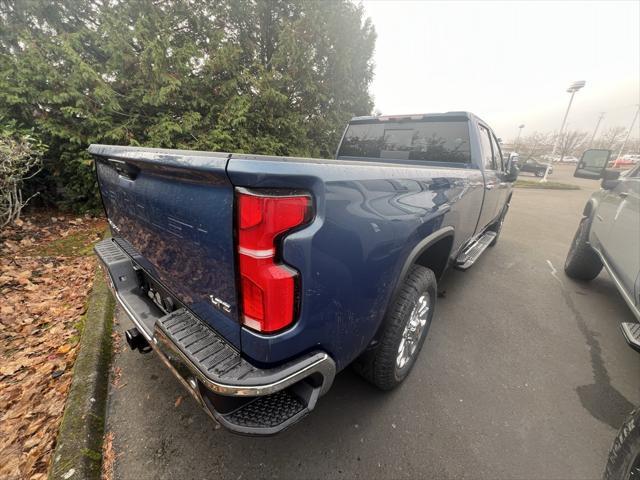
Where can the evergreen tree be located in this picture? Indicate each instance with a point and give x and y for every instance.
(259, 76)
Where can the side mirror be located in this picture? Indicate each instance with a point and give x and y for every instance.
(610, 179)
(592, 164)
(512, 171)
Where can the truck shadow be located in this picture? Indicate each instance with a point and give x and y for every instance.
(351, 430)
(600, 398)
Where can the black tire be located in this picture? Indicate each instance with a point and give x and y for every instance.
(582, 261)
(381, 365)
(497, 225)
(540, 173)
(624, 457)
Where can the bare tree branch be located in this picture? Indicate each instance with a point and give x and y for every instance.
(20, 159)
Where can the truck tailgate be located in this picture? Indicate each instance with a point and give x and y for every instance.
(172, 212)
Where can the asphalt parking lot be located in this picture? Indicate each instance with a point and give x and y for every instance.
(524, 375)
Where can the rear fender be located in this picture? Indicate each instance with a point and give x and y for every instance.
(590, 207)
(416, 257)
(588, 213)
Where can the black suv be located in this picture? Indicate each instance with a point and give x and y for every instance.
(533, 166)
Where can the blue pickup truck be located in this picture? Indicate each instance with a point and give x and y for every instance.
(257, 278)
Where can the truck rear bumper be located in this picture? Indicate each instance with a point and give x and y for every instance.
(240, 396)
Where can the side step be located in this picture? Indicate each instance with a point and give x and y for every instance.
(631, 332)
(470, 254)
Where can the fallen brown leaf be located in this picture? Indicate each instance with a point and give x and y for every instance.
(117, 375)
(43, 298)
(108, 457)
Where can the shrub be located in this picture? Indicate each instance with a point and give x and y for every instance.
(20, 159)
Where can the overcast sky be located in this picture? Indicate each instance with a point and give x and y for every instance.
(509, 62)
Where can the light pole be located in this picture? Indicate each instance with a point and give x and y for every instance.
(595, 130)
(624, 144)
(573, 88)
(515, 147)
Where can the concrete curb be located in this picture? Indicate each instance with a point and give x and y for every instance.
(78, 452)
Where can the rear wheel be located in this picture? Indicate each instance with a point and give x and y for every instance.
(540, 173)
(405, 329)
(624, 458)
(582, 261)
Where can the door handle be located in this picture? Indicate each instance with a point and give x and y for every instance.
(623, 194)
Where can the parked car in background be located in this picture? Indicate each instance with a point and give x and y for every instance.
(531, 165)
(624, 162)
(257, 278)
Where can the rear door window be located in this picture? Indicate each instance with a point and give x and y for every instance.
(487, 155)
(497, 154)
(422, 140)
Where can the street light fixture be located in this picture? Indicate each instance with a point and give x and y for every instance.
(573, 88)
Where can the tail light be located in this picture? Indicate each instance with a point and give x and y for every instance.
(268, 288)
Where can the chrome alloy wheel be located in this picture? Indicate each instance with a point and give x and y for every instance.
(413, 330)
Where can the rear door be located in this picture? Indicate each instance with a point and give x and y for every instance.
(491, 180)
(172, 211)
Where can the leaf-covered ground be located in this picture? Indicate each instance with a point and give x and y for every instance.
(46, 270)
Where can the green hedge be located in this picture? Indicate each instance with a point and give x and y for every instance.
(263, 76)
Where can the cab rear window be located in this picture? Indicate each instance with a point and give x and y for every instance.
(431, 141)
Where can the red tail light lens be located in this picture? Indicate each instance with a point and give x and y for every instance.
(268, 288)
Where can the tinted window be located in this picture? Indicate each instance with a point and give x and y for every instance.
(487, 156)
(412, 140)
